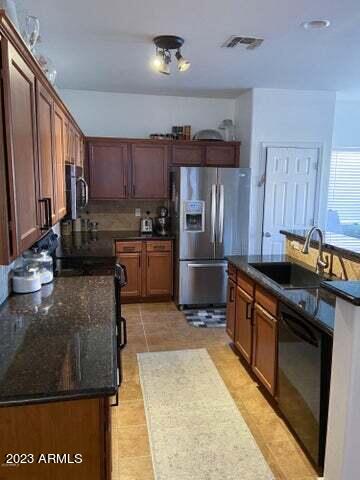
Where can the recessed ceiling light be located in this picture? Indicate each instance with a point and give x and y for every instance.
(316, 24)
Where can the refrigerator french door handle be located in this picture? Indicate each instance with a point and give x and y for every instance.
(221, 214)
(213, 213)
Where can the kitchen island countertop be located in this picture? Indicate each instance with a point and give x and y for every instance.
(59, 343)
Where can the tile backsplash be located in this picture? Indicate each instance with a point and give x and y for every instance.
(120, 215)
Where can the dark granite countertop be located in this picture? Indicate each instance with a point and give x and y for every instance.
(344, 245)
(316, 304)
(59, 343)
(98, 244)
(348, 290)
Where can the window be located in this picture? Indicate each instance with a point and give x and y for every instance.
(344, 193)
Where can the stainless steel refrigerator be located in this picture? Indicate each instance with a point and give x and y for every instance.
(210, 218)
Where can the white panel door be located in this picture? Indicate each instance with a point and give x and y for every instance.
(290, 191)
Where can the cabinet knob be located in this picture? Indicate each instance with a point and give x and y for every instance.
(267, 234)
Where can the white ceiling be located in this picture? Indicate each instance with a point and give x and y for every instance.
(106, 45)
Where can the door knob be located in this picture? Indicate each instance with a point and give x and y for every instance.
(267, 234)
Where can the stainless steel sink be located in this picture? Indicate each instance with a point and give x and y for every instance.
(289, 275)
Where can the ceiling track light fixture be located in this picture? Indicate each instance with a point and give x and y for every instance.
(164, 44)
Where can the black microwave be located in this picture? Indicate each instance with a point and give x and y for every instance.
(77, 191)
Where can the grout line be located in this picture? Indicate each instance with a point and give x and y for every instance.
(143, 326)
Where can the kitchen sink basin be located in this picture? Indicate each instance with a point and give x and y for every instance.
(289, 275)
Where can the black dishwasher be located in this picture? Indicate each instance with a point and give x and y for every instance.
(304, 381)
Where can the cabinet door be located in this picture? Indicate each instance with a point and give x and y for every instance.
(231, 309)
(71, 143)
(221, 156)
(60, 152)
(132, 262)
(78, 159)
(187, 155)
(264, 362)
(159, 274)
(45, 129)
(20, 125)
(149, 171)
(243, 324)
(108, 171)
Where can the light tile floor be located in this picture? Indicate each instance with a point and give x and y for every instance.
(160, 326)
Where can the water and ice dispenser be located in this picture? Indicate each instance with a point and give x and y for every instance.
(194, 215)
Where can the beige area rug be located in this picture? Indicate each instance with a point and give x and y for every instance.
(195, 428)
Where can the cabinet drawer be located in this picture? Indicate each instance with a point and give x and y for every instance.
(266, 300)
(245, 283)
(128, 247)
(232, 272)
(158, 246)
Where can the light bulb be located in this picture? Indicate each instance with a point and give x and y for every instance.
(182, 63)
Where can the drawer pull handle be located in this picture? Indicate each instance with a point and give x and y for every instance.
(129, 249)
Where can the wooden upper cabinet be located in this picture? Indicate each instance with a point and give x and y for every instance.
(192, 155)
(20, 125)
(222, 155)
(108, 171)
(231, 309)
(264, 363)
(243, 324)
(149, 171)
(47, 170)
(60, 151)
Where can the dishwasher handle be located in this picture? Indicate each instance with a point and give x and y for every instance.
(299, 329)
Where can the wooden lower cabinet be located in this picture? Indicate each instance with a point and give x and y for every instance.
(149, 266)
(264, 363)
(72, 427)
(243, 323)
(231, 309)
(132, 262)
(252, 325)
(159, 274)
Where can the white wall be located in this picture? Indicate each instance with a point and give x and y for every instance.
(287, 117)
(244, 124)
(347, 122)
(136, 116)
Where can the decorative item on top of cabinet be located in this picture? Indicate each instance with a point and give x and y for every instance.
(47, 161)
(20, 127)
(108, 170)
(149, 170)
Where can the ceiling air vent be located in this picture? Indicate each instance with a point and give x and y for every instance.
(249, 42)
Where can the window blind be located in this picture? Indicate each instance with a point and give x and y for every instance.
(344, 185)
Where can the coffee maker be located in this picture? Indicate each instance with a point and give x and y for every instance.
(162, 222)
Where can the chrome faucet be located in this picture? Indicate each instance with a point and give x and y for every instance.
(321, 262)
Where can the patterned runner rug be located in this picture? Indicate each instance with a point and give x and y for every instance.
(195, 428)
